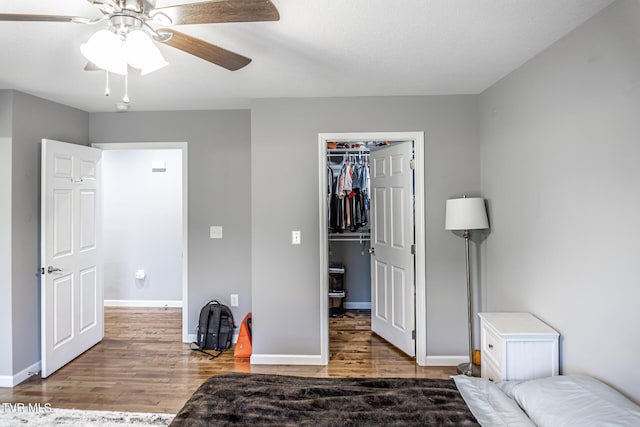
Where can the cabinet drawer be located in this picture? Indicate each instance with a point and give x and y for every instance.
(490, 371)
(492, 346)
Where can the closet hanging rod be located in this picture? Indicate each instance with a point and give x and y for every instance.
(351, 239)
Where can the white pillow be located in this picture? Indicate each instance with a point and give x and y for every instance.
(575, 401)
(489, 404)
(507, 386)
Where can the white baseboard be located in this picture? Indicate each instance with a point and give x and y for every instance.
(286, 359)
(446, 360)
(355, 305)
(142, 303)
(14, 380)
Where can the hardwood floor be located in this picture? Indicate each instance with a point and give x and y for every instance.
(142, 365)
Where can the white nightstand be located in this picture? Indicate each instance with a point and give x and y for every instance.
(517, 346)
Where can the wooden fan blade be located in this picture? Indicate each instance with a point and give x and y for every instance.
(221, 11)
(38, 18)
(90, 66)
(207, 51)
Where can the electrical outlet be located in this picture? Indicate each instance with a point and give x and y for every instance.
(296, 237)
(234, 300)
(215, 232)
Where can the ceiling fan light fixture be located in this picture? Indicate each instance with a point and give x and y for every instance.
(152, 66)
(105, 49)
(142, 53)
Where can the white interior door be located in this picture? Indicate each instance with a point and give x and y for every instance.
(72, 290)
(392, 231)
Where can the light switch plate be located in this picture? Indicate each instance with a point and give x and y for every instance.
(215, 232)
(296, 237)
(234, 300)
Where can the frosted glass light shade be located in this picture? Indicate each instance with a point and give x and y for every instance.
(466, 214)
(142, 53)
(105, 49)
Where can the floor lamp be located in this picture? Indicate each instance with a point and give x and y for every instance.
(468, 213)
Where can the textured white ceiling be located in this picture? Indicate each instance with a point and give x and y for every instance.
(318, 48)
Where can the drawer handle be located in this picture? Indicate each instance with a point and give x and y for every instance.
(490, 346)
(490, 379)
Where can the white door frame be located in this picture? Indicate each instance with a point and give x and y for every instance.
(185, 215)
(420, 277)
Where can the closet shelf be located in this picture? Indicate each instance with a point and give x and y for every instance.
(361, 151)
(349, 237)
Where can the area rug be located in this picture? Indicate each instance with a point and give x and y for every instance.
(11, 417)
(278, 400)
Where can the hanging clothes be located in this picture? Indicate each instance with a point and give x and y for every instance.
(349, 197)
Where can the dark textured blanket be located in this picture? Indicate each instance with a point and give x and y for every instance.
(253, 399)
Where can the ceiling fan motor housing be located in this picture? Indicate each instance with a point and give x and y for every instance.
(125, 21)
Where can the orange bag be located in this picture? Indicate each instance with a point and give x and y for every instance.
(243, 345)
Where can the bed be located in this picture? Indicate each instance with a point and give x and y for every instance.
(278, 400)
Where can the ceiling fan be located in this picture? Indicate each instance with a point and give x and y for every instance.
(127, 17)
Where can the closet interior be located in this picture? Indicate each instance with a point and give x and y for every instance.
(348, 226)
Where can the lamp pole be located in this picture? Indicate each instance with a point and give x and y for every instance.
(467, 368)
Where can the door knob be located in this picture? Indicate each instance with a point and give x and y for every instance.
(372, 251)
(51, 269)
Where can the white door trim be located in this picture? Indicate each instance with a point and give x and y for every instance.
(420, 277)
(185, 214)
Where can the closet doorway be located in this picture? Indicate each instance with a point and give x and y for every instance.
(146, 249)
(387, 249)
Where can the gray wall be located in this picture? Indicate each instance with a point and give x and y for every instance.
(142, 225)
(33, 119)
(284, 197)
(6, 112)
(219, 193)
(560, 169)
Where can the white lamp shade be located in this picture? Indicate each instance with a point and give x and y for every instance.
(154, 65)
(468, 213)
(105, 50)
(142, 53)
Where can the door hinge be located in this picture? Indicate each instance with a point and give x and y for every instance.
(413, 249)
(412, 164)
(413, 334)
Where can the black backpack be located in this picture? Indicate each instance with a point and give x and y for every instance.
(215, 329)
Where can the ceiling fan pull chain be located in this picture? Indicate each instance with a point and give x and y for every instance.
(125, 99)
(107, 92)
